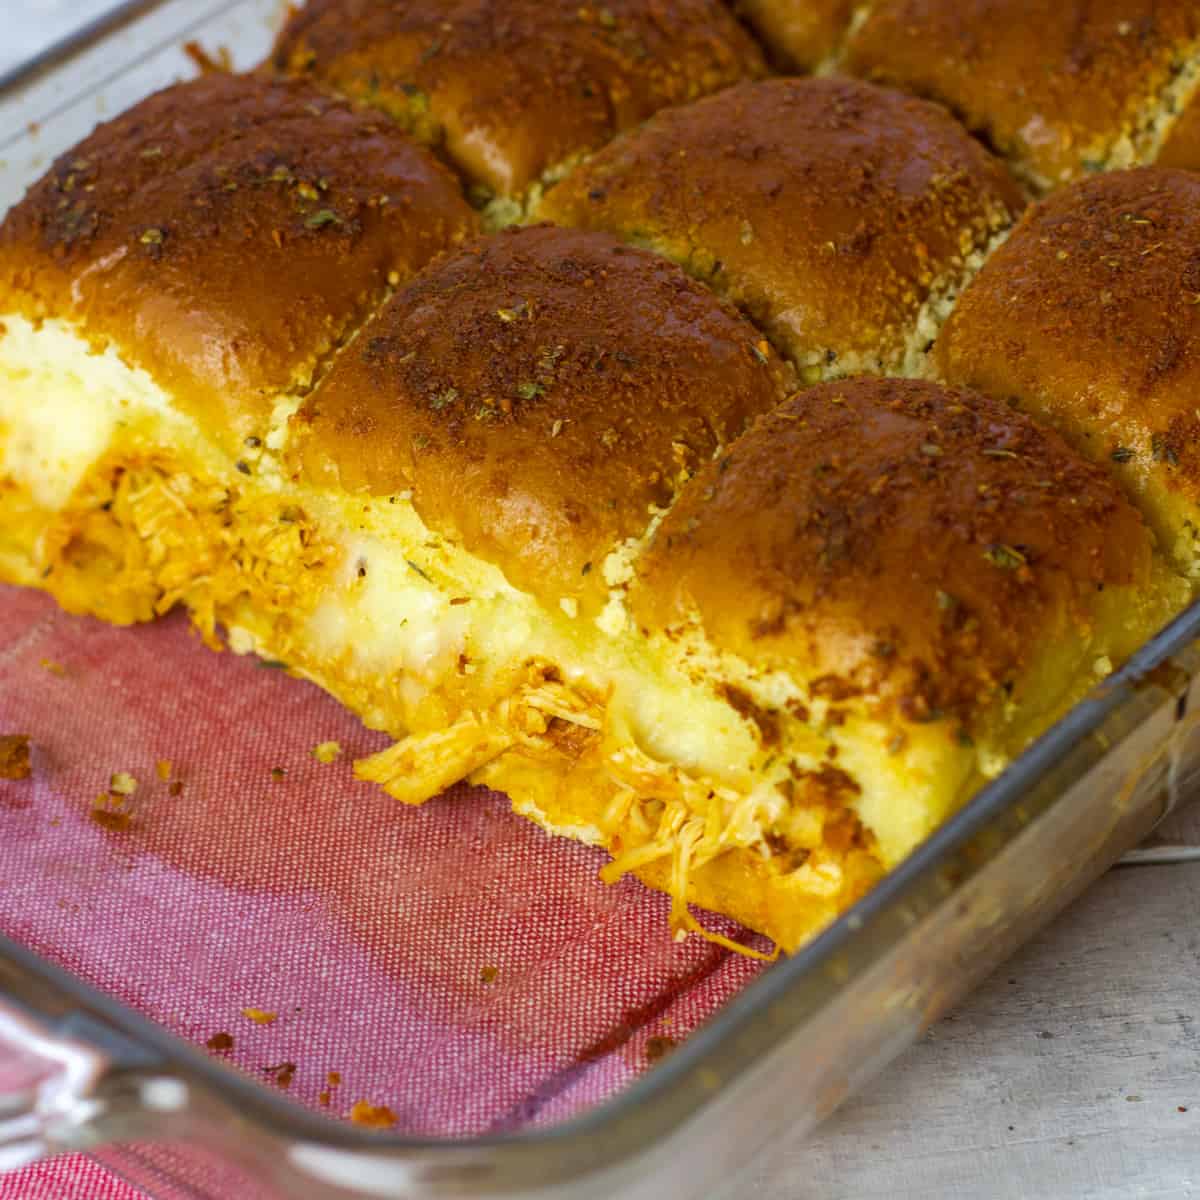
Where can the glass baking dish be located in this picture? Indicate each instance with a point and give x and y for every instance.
(519, 1028)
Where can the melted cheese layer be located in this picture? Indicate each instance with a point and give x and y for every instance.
(62, 404)
(406, 601)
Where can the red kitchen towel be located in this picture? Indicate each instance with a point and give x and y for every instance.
(182, 847)
(69, 1178)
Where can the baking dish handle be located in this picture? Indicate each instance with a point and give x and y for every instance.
(73, 1083)
(48, 1081)
(69, 1081)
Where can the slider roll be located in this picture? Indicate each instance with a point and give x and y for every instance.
(924, 581)
(840, 217)
(1088, 318)
(516, 91)
(1061, 88)
(169, 291)
(539, 394)
(227, 235)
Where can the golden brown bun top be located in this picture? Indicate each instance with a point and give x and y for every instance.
(225, 233)
(894, 540)
(826, 208)
(537, 392)
(1090, 313)
(1053, 83)
(515, 87)
(1182, 147)
(800, 33)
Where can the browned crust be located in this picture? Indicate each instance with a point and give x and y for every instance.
(1054, 84)
(1089, 316)
(1182, 147)
(537, 392)
(894, 541)
(224, 234)
(15, 761)
(801, 34)
(826, 208)
(515, 87)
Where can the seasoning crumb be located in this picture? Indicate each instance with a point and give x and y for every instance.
(327, 752)
(260, 1016)
(334, 1078)
(278, 774)
(123, 784)
(373, 1116)
(109, 812)
(325, 216)
(222, 63)
(220, 1042)
(489, 975)
(1182, 1108)
(163, 769)
(53, 667)
(659, 1047)
(284, 1073)
(324, 1099)
(176, 788)
(1008, 558)
(14, 756)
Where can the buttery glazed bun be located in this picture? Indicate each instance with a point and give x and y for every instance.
(1182, 148)
(802, 34)
(1061, 87)
(225, 234)
(902, 543)
(518, 88)
(538, 392)
(1089, 318)
(841, 217)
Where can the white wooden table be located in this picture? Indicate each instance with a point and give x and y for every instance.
(1062, 1078)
